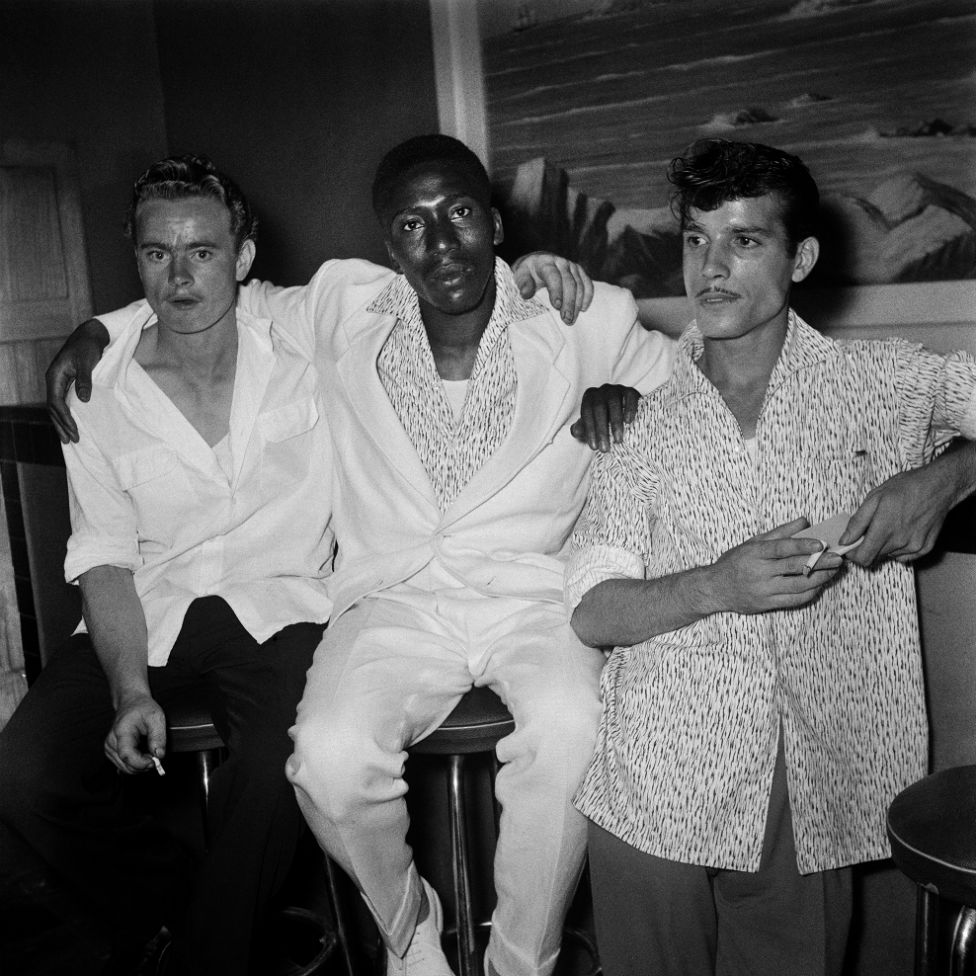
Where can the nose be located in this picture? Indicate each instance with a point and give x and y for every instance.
(715, 263)
(179, 270)
(442, 235)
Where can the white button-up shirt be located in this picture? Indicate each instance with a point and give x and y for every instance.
(148, 494)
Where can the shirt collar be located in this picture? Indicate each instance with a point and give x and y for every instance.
(803, 347)
(399, 299)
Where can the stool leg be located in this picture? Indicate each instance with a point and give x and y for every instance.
(926, 932)
(339, 916)
(467, 946)
(960, 962)
(207, 759)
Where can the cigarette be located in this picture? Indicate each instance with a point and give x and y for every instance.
(813, 560)
(158, 765)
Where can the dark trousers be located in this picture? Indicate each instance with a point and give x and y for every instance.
(60, 793)
(656, 917)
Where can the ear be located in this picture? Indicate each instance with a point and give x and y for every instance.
(245, 258)
(394, 264)
(807, 252)
(496, 219)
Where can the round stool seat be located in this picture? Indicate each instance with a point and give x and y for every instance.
(932, 828)
(478, 721)
(189, 724)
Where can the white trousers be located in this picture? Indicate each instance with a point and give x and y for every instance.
(387, 673)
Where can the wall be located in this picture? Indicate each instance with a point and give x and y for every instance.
(299, 99)
(85, 73)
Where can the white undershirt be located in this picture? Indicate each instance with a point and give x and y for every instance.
(456, 391)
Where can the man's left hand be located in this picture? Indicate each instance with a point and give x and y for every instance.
(901, 518)
(570, 287)
(603, 413)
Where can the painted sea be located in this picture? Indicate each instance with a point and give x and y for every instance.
(862, 91)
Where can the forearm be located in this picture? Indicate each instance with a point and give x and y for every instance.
(624, 612)
(117, 627)
(957, 469)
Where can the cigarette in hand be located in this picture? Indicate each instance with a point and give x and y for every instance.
(808, 568)
(158, 765)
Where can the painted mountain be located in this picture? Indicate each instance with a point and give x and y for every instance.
(879, 98)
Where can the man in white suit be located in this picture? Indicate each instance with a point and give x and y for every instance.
(458, 484)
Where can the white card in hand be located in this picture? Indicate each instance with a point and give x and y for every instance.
(828, 534)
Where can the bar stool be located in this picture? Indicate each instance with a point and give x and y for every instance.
(932, 829)
(190, 729)
(477, 723)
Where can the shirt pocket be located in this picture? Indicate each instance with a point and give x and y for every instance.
(847, 476)
(157, 484)
(287, 436)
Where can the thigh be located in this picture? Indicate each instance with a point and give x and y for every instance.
(532, 658)
(651, 915)
(253, 688)
(777, 921)
(387, 671)
(61, 723)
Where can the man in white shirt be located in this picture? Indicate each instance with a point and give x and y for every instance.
(201, 541)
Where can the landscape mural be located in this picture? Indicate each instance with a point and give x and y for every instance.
(588, 101)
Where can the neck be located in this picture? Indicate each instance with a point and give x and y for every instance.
(740, 370)
(454, 339)
(199, 354)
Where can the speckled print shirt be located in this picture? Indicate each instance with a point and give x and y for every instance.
(691, 718)
(451, 448)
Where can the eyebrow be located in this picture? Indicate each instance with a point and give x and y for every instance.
(736, 228)
(162, 246)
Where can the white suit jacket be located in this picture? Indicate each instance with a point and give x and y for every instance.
(507, 531)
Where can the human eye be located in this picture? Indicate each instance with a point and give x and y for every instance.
(693, 240)
(462, 210)
(154, 255)
(410, 224)
(203, 253)
(746, 242)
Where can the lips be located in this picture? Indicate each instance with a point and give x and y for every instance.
(449, 271)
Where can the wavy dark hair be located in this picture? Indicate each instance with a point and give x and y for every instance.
(714, 171)
(178, 177)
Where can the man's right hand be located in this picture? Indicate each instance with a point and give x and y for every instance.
(766, 572)
(73, 364)
(138, 721)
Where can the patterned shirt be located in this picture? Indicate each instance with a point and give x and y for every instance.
(692, 718)
(452, 447)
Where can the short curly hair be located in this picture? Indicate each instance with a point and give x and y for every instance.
(420, 150)
(714, 171)
(179, 177)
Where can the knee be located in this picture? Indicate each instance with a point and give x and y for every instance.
(561, 726)
(22, 773)
(332, 764)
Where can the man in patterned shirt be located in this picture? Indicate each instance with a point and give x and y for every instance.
(758, 716)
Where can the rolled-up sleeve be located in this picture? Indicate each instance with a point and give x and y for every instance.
(610, 538)
(103, 522)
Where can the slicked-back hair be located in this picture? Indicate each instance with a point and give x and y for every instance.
(404, 158)
(179, 177)
(715, 171)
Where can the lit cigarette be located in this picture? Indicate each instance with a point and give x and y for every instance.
(158, 765)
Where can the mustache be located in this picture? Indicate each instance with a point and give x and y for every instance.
(712, 290)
